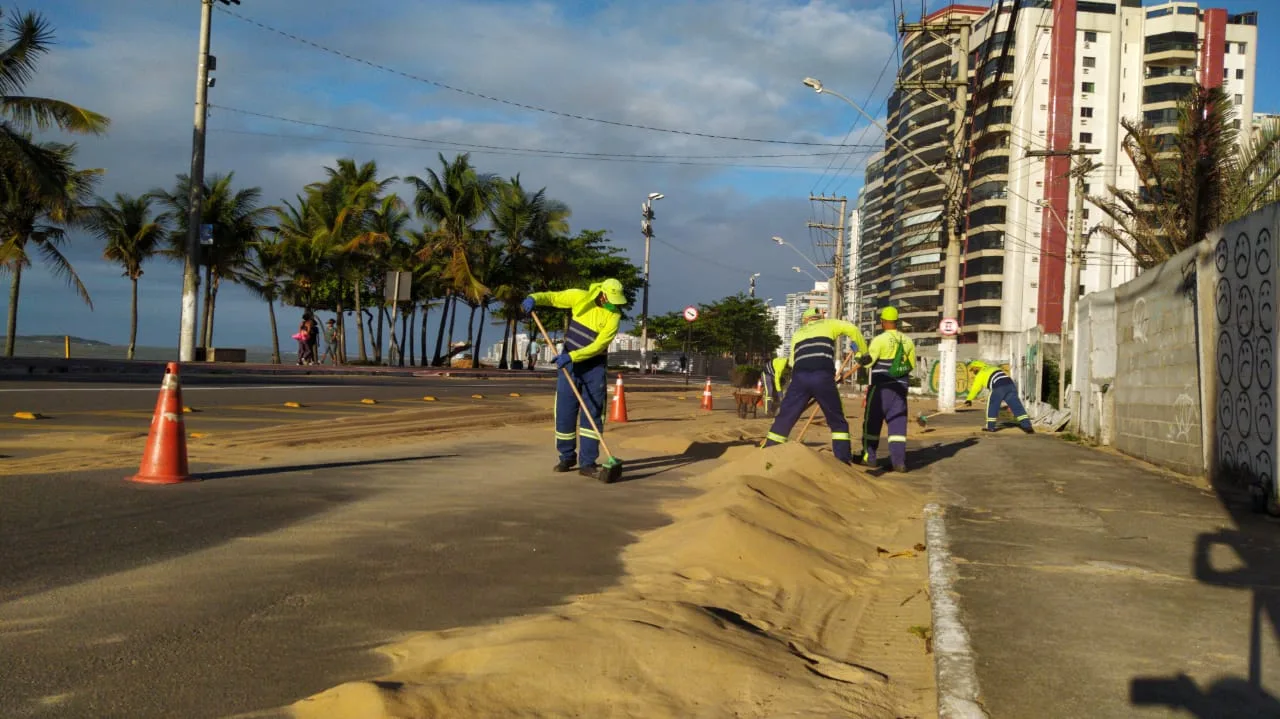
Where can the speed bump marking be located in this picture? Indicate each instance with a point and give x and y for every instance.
(292, 405)
(27, 415)
(514, 394)
(428, 398)
(368, 401)
(477, 396)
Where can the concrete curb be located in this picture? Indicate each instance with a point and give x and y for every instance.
(952, 655)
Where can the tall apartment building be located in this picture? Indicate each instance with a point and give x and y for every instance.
(796, 304)
(1063, 78)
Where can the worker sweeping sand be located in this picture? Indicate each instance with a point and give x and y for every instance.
(766, 596)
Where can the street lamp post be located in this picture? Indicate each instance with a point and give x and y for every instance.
(951, 271)
(801, 269)
(195, 197)
(753, 283)
(783, 243)
(646, 226)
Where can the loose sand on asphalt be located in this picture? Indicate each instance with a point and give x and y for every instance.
(787, 585)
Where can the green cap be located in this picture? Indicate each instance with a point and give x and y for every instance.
(889, 314)
(613, 292)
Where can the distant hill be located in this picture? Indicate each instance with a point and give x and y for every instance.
(58, 339)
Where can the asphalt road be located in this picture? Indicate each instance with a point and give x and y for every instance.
(258, 587)
(231, 404)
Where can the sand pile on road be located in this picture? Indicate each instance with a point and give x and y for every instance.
(752, 602)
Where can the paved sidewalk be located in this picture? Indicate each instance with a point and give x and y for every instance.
(1092, 586)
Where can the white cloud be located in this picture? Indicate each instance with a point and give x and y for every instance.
(725, 67)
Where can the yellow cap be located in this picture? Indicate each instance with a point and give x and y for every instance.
(812, 313)
(889, 314)
(613, 292)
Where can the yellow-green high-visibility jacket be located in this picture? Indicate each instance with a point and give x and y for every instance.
(591, 327)
(884, 347)
(813, 346)
(774, 371)
(988, 377)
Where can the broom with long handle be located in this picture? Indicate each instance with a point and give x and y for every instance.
(611, 467)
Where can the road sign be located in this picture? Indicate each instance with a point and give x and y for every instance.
(690, 313)
(398, 286)
(949, 327)
(206, 234)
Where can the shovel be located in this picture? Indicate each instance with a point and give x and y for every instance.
(611, 467)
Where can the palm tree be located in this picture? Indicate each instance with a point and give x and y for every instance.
(23, 162)
(32, 218)
(1191, 181)
(131, 236)
(455, 199)
(384, 227)
(238, 221)
(263, 275)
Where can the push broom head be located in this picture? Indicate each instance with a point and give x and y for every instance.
(610, 470)
(922, 420)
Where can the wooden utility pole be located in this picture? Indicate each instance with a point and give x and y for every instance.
(954, 184)
(1075, 258)
(835, 293)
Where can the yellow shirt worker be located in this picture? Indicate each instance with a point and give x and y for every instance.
(891, 357)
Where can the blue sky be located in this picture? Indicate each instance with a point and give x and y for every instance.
(723, 67)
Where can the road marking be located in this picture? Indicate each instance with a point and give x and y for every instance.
(184, 389)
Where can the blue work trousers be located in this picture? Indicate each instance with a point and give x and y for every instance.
(819, 385)
(575, 440)
(886, 403)
(1006, 393)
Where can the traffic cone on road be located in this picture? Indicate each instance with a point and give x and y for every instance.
(760, 392)
(618, 413)
(164, 461)
(706, 396)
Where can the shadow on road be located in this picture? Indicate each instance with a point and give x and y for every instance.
(1255, 541)
(259, 471)
(696, 452)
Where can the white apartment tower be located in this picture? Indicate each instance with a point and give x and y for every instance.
(1063, 79)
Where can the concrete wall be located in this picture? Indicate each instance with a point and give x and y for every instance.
(1094, 366)
(1157, 372)
(1238, 322)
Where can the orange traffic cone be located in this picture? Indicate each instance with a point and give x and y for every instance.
(760, 392)
(619, 411)
(706, 396)
(164, 461)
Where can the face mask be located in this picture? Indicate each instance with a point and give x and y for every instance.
(611, 308)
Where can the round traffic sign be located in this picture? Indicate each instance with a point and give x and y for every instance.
(949, 327)
(690, 313)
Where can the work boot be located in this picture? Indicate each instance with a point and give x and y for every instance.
(900, 468)
(990, 429)
(1027, 428)
(589, 470)
(564, 465)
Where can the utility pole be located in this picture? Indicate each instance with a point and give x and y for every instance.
(195, 199)
(953, 217)
(646, 227)
(1075, 258)
(835, 293)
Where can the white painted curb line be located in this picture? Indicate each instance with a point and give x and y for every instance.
(952, 657)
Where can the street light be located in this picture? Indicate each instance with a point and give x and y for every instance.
(801, 269)
(753, 283)
(783, 243)
(646, 226)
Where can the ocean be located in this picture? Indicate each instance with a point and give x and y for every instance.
(50, 347)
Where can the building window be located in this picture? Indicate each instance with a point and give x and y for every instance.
(1087, 87)
(1239, 100)
(1086, 137)
(1239, 74)
(1086, 188)
(1091, 62)
(1226, 73)
(1087, 112)
(1090, 36)
(1240, 47)
(1085, 214)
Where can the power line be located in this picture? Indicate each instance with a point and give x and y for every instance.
(852, 127)
(426, 145)
(514, 103)
(573, 154)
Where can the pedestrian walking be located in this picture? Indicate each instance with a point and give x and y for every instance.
(331, 341)
(533, 353)
(313, 341)
(813, 376)
(303, 337)
(891, 357)
(1002, 390)
(595, 313)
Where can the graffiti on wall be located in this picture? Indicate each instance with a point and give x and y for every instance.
(1244, 318)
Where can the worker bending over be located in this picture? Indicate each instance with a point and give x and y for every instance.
(595, 313)
(813, 376)
(774, 376)
(1002, 391)
(891, 357)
